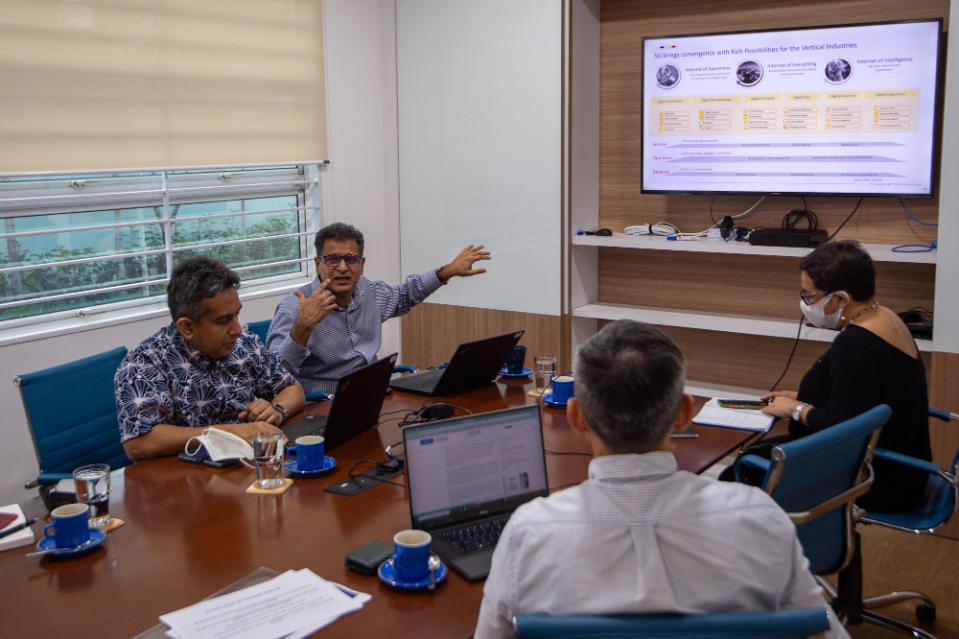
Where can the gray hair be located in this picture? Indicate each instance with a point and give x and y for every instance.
(337, 231)
(195, 280)
(629, 383)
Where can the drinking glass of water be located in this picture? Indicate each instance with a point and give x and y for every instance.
(544, 369)
(92, 484)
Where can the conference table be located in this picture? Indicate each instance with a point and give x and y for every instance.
(193, 530)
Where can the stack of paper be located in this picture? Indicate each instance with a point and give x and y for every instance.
(22, 537)
(294, 604)
(713, 414)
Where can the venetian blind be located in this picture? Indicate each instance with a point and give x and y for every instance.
(96, 84)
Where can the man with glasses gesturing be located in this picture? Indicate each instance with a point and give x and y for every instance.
(333, 325)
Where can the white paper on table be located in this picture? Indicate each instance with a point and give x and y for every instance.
(293, 602)
(712, 414)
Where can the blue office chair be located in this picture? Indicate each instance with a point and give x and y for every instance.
(799, 622)
(259, 328)
(72, 413)
(816, 480)
(937, 505)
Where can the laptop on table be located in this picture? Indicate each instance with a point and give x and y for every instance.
(356, 406)
(466, 476)
(473, 364)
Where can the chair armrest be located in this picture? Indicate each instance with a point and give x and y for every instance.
(906, 460)
(52, 478)
(751, 461)
(318, 396)
(944, 415)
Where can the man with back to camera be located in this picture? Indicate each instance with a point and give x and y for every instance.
(201, 370)
(333, 326)
(640, 536)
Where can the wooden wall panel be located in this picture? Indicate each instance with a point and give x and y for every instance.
(748, 361)
(625, 22)
(750, 285)
(944, 393)
(431, 332)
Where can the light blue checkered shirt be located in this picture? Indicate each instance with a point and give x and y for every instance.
(346, 339)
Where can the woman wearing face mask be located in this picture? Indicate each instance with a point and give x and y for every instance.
(872, 360)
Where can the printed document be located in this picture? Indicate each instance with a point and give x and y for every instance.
(713, 414)
(295, 603)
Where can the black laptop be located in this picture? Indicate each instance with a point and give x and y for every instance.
(473, 364)
(356, 406)
(463, 488)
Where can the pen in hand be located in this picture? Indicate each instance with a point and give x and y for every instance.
(10, 531)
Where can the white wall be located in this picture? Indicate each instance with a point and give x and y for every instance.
(360, 38)
(361, 189)
(946, 333)
(480, 104)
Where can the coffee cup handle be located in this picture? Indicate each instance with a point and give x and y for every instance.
(291, 450)
(49, 530)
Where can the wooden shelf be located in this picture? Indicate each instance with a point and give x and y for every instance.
(769, 327)
(879, 252)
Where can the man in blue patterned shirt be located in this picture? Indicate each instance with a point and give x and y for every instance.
(333, 325)
(201, 370)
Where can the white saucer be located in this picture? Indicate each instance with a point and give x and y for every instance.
(49, 543)
(293, 466)
(387, 575)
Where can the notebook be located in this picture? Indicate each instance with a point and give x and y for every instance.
(473, 364)
(356, 406)
(466, 476)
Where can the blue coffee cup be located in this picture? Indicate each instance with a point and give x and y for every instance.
(516, 360)
(310, 451)
(70, 526)
(562, 389)
(411, 554)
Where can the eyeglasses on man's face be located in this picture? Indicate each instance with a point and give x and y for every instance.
(333, 259)
(809, 296)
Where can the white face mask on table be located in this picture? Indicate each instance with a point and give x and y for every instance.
(220, 445)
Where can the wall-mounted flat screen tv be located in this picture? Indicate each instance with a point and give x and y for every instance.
(840, 110)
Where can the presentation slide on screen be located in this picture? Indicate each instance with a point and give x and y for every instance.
(481, 465)
(831, 110)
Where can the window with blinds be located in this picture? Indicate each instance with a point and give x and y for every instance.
(72, 243)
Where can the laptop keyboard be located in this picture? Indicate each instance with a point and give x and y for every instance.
(421, 381)
(476, 536)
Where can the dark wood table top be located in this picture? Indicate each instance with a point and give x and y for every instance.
(192, 530)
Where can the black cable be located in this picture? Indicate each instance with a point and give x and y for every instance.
(791, 353)
(711, 202)
(848, 217)
(353, 477)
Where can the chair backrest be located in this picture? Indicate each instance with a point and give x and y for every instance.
(259, 328)
(799, 622)
(817, 478)
(72, 413)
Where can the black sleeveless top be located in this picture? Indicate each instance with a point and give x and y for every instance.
(857, 372)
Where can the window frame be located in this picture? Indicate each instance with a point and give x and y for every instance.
(85, 191)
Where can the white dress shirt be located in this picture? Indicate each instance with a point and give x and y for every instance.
(639, 536)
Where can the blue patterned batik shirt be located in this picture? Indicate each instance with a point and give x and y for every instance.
(165, 380)
(347, 338)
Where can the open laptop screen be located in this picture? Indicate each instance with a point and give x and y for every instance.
(469, 467)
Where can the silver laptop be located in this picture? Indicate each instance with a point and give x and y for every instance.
(466, 476)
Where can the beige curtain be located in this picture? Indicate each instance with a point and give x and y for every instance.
(99, 84)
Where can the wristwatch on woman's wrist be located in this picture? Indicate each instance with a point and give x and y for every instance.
(797, 412)
(282, 410)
